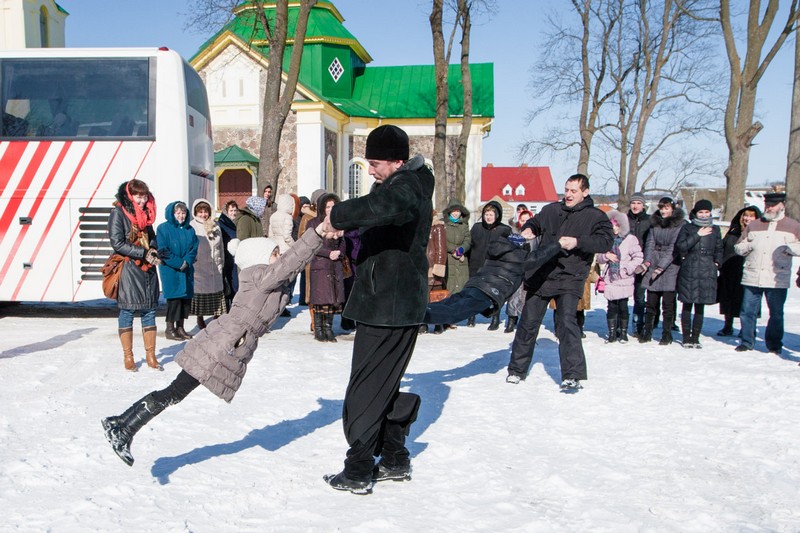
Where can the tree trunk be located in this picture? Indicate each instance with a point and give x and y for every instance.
(440, 59)
(276, 105)
(793, 157)
(466, 123)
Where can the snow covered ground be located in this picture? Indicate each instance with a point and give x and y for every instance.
(660, 438)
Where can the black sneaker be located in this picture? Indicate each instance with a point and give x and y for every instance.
(725, 332)
(571, 385)
(743, 348)
(386, 473)
(342, 482)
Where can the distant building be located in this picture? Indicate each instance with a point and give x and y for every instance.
(31, 24)
(532, 186)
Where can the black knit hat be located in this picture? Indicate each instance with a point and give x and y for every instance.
(702, 205)
(387, 143)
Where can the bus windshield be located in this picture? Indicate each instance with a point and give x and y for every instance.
(77, 98)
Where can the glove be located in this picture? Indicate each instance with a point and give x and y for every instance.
(152, 257)
(164, 254)
(641, 269)
(184, 267)
(657, 272)
(459, 251)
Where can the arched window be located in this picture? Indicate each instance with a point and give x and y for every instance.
(355, 179)
(330, 182)
(44, 33)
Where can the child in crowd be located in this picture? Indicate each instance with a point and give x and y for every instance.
(619, 266)
(218, 355)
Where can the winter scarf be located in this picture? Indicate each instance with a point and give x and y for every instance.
(141, 218)
(613, 266)
(703, 222)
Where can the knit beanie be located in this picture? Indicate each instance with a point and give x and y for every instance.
(253, 251)
(702, 205)
(638, 197)
(256, 204)
(387, 143)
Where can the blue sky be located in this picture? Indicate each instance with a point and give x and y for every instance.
(398, 33)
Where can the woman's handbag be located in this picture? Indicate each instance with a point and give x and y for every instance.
(346, 268)
(112, 270)
(437, 295)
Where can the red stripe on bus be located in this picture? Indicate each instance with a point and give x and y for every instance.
(36, 205)
(91, 198)
(22, 188)
(50, 224)
(141, 163)
(9, 162)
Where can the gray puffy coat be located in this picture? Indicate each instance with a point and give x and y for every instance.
(217, 356)
(658, 251)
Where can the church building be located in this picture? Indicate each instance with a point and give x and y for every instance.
(339, 99)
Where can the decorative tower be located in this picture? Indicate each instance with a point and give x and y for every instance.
(31, 24)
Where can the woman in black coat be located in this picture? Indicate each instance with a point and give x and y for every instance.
(729, 283)
(699, 252)
(230, 274)
(482, 234)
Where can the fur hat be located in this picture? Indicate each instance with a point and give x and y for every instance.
(620, 220)
(253, 251)
(387, 143)
(638, 197)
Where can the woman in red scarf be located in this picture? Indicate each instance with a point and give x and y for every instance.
(130, 229)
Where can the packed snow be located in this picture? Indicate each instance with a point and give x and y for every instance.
(659, 439)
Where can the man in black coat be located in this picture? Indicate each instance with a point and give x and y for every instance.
(388, 302)
(640, 226)
(584, 231)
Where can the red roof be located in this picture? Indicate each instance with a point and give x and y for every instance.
(536, 181)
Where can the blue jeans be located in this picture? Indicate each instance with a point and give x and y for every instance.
(465, 303)
(751, 302)
(125, 319)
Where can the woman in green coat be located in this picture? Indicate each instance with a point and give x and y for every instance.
(456, 223)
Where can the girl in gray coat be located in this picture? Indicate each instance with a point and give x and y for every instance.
(217, 357)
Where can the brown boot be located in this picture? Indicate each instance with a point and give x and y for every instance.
(149, 334)
(126, 338)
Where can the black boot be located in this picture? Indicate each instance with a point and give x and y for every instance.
(512, 324)
(180, 331)
(438, 329)
(170, 332)
(327, 327)
(697, 328)
(319, 334)
(471, 322)
(686, 330)
(347, 324)
(612, 330)
(647, 329)
(120, 429)
(495, 325)
(622, 326)
(666, 337)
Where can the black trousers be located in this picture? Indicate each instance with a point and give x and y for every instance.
(667, 301)
(639, 297)
(570, 348)
(376, 415)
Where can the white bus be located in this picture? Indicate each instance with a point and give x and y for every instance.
(76, 123)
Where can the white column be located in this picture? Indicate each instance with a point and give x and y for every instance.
(310, 147)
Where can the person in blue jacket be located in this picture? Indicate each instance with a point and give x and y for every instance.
(177, 249)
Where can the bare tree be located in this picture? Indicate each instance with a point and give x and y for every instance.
(278, 93)
(441, 59)
(793, 157)
(740, 126)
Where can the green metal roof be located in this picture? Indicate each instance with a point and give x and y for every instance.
(410, 92)
(234, 155)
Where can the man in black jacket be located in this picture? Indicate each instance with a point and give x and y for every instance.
(388, 303)
(640, 227)
(584, 231)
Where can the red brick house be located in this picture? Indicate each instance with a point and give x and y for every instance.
(532, 186)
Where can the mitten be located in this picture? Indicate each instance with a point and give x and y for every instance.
(657, 272)
(641, 269)
(164, 254)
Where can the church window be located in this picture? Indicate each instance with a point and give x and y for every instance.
(507, 190)
(336, 69)
(520, 190)
(43, 27)
(355, 177)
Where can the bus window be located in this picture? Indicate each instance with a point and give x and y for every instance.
(76, 98)
(195, 91)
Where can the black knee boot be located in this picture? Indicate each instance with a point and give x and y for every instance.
(327, 327)
(471, 322)
(495, 324)
(611, 318)
(121, 429)
(319, 334)
(512, 324)
(647, 330)
(622, 325)
(697, 328)
(686, 330)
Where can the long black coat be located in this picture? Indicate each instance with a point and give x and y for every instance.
(391, 288)
(639, 226)
(566, 273)
(326, 277)
(138, 289)
(699, 257)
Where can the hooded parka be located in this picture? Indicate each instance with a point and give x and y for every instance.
(458, 236)
(483, 233)
(210, 254)
(180, 243)
(699, 258)
(281, 222)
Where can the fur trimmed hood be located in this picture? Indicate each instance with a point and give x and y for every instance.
(678, 217)
(621, 220)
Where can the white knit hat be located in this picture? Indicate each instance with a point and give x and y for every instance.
(253, 251)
